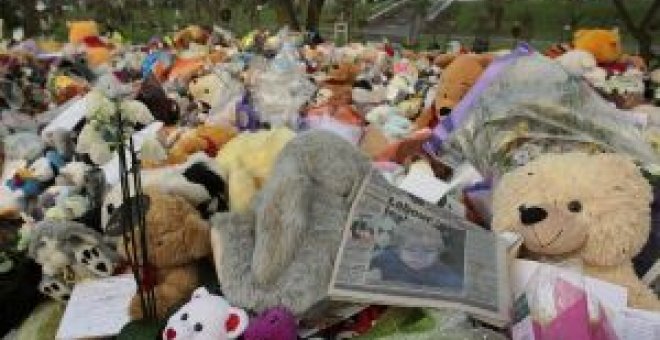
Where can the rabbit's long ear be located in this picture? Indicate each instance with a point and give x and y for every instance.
(281, 222)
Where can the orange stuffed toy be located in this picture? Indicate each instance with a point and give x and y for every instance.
(206, 138)
(605, 45)
(79, 30)
(459, 74)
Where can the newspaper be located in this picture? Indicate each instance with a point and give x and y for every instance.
(399, 250)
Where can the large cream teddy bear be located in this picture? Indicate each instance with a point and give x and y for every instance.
(576, 206)
(246, 162)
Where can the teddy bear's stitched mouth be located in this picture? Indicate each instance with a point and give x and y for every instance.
(555, 238)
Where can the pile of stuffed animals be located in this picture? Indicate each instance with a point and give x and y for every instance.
(253, 151)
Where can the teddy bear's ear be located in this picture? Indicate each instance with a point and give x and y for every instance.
(444, 59)
(200, 292)
(485, 59)
(579, 34)
(236, 322)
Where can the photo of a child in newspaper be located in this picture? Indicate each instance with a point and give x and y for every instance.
(399, 250)
(418, 255)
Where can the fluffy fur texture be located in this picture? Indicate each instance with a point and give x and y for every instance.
(281, 251)
(198, 181)
(176, 238)
(69, 252)
(246, 162)
(595, 208)
(460, 73)
(605, 45)
(206, 317)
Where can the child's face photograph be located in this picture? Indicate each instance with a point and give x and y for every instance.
(418, 253)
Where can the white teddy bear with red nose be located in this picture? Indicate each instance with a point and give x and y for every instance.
(206, 317)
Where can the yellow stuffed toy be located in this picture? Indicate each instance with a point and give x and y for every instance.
(79, 30)
(605, 45)
(246, 162)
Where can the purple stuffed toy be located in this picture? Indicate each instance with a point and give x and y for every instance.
(273, 324)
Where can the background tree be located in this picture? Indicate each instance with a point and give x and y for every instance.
(286, 14)
(641, 31)
(314, 10)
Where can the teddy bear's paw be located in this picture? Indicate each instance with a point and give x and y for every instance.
(94, 260)
(55, 288)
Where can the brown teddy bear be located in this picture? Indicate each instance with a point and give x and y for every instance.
(204, 138)
(340, 81)
(577, 206)
(177, 237)
(459, 74)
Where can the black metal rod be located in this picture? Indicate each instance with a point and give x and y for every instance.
(127, 220)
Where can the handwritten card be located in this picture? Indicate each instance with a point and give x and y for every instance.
(97, 308)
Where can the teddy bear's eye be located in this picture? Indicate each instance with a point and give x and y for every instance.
(184, 316)
(110, 208)
(575, 206)
(198, 327)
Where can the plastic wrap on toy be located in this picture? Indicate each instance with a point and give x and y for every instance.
(534, 106)
(282, 89)
(15, 121)
(350, 132)
(557, 304)
(223, 110)
(427, 324)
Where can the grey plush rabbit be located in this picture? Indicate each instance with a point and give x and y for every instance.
(283, 250)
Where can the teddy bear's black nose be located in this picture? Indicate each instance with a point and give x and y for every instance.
(531, 215)
(444, 111)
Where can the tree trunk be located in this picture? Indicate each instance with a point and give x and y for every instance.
(314, 10)
(30, 18)
(641, 31)
(287, 13)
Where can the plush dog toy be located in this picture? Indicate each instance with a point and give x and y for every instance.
(69, 252)
(198, 181)
(595, 209)
(206, 317)
(281, 251)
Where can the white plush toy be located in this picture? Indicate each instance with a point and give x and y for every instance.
(206, 317)
(582, 63)
(98, 134)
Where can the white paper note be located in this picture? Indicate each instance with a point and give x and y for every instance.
(70, 117)
(421, 182)
(633, 324)
(97, 308)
